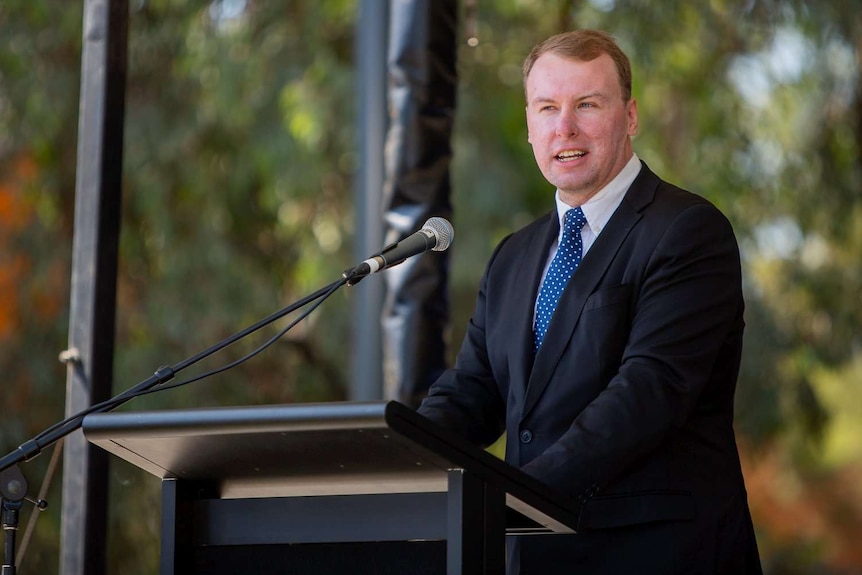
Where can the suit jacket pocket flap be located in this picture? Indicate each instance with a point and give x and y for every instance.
(635, 508)
(609, 296)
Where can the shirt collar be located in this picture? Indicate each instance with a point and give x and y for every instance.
(599, 209)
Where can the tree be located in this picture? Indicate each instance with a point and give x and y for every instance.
(239, 156)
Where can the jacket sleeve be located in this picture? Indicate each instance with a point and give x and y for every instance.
(466, 399)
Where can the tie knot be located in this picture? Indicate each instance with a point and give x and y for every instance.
(573, 221)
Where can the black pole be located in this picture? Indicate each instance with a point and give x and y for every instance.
(94, 278)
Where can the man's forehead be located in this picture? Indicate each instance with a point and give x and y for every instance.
(552, 73)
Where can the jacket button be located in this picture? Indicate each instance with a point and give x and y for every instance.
(526, 436)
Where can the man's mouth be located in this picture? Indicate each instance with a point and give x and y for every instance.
(569, 155)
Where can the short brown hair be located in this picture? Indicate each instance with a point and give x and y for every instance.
(585, 45)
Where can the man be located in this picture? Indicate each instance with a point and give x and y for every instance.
(619, 394)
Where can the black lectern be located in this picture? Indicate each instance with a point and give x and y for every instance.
(327, 488)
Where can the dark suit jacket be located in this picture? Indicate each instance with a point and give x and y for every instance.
(628, 406)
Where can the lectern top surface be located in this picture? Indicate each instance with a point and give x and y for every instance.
(309, 449)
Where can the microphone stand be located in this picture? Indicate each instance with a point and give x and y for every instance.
(13, 486)
(13, 492)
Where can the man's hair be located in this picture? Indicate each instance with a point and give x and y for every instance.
(584, 45)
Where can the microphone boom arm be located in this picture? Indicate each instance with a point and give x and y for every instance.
(32, 448)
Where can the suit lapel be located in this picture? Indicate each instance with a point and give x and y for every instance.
(535, 256)
(583, 283)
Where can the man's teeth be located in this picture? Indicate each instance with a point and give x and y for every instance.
(570, 155)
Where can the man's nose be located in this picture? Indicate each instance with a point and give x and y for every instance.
(567, 124)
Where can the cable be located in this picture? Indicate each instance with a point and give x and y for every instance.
(244, 358)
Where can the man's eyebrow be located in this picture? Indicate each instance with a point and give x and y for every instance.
(542, 100)
(593, 95)
(590, 96)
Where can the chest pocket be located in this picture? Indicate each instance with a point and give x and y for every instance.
(607, 297)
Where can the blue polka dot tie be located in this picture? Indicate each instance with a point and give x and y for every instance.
(561, 269)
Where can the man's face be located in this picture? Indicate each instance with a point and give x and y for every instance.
(578, 124)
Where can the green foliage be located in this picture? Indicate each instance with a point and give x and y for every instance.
(238, 166)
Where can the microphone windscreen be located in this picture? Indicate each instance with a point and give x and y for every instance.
(442, 231)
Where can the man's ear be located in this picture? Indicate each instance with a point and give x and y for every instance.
(632, 113)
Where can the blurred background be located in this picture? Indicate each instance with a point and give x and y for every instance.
(238, 175)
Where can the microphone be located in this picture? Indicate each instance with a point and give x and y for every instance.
(435, 235)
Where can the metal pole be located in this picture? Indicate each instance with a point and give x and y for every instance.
(367, 383)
